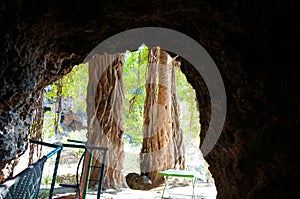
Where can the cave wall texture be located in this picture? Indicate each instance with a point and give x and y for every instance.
(251, 42)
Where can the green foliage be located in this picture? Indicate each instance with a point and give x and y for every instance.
(48, 128)
(189, 112)
(134, 74)
(74, 86)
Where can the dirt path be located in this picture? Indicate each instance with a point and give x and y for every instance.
(202, 191)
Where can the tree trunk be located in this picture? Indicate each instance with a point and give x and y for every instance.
(157, 153)
(105, 110)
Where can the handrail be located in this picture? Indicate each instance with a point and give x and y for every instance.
(44, 143)
(54, 152)
(88, 149)
(76, 141)
(58, 149)
(19, 186)
(74, 146)
(85, 146)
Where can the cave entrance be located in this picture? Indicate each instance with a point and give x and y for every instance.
(67, 104)
(135, 79)
(154, 121)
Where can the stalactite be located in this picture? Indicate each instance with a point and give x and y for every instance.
(162, 137)
(105, 109)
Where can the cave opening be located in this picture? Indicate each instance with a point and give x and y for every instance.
(135, 65)
(251, 42)
(70, 121)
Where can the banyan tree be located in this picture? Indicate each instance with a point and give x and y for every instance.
(162, 146)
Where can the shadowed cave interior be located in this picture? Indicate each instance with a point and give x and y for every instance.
(250, 42)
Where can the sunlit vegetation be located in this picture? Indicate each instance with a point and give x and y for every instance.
(66, 94)
(69, 94)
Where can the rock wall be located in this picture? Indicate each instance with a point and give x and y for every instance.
(250, 41)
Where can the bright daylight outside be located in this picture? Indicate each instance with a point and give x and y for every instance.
(65, 119)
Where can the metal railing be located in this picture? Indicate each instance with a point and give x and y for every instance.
(27, 183)
(87, 164)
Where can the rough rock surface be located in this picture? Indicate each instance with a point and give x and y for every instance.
(138, 182)
(251, 42)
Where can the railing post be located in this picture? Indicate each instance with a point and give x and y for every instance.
(55, 173)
